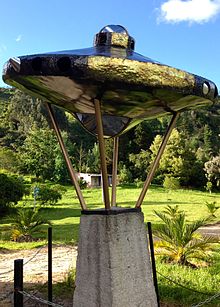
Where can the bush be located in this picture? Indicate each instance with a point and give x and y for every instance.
(12, 190)
(212, 208)
(47, 195)
(138, 183)
(171, 183)
(82, 183)
(25, 223)
(125, 175)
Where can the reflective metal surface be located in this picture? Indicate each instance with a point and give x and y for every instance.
(129, 86)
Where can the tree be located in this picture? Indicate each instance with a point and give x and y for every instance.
(22, 113)
(48, 195)
(125, 175)
(8, 160)
(93, 160)
(140, 163)
(12, 190)
(38, 153)
(212, 169)
(177, 161)
(179, 241)
(201, 129)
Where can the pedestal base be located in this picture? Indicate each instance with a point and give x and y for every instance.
(113, 265)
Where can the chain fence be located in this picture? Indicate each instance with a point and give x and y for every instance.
(9, 295)
(33, 296)
(182, 286)
(38, 299)
(30, 259)
(37, 291)
(208, 300)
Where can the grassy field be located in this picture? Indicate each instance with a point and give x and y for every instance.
(65, 217)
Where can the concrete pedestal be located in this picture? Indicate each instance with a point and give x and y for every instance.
(113, 265)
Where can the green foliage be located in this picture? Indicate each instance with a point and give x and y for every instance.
(178, 161)
(8, 160)
(141, 163)
(138, 183)
(172, 211)
(93, 160)
(212, 208)
(204, 280)
(82, 183)
(171, 183)
(201, 129)
(179, 241)
(208, 187)
(25, 223)
(37, 154)
(12, 190)
(212, 169)
(125, 175)
(70, 277)
(48, 195)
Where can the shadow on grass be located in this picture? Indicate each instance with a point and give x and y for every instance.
(67, 233)
(60, 213)
(146, 203)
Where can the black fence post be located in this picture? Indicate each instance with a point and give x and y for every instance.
(18, 282)
(153, 261)
(49, 287)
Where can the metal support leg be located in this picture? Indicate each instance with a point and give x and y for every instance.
(114, 170)
(157, 160)
(66, 157)
(102, 153)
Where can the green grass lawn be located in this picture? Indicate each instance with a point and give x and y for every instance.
(65, 215)
(65, 218)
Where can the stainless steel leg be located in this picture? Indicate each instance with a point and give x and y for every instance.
(66, 157)
(102, 153)
(114, 170)
(157, 160)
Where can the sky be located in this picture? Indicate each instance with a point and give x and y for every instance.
(183, 34)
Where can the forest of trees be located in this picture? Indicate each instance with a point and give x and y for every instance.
(28, 145)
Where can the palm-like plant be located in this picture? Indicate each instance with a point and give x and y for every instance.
(212, 208)
(180, 241)
(26, 222)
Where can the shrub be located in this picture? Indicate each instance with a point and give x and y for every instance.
(171, 183)
(180, 242)
(212, 208)
(25, 223)
(70, 278)
(138, 183)
(208, 186)
(125, 175)
(12, 190)
(82, 183)
(48, 195)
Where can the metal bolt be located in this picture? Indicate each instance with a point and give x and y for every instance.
(205, 88)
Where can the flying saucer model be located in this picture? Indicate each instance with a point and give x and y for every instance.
(129, 86)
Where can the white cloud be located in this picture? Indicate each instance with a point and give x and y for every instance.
(198, 11)
(3, 48)
(18, 39)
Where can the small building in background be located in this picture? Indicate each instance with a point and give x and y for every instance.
(93, 180)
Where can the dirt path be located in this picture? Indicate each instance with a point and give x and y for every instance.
(35, 268)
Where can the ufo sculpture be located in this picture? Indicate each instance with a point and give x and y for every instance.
(109, 88)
